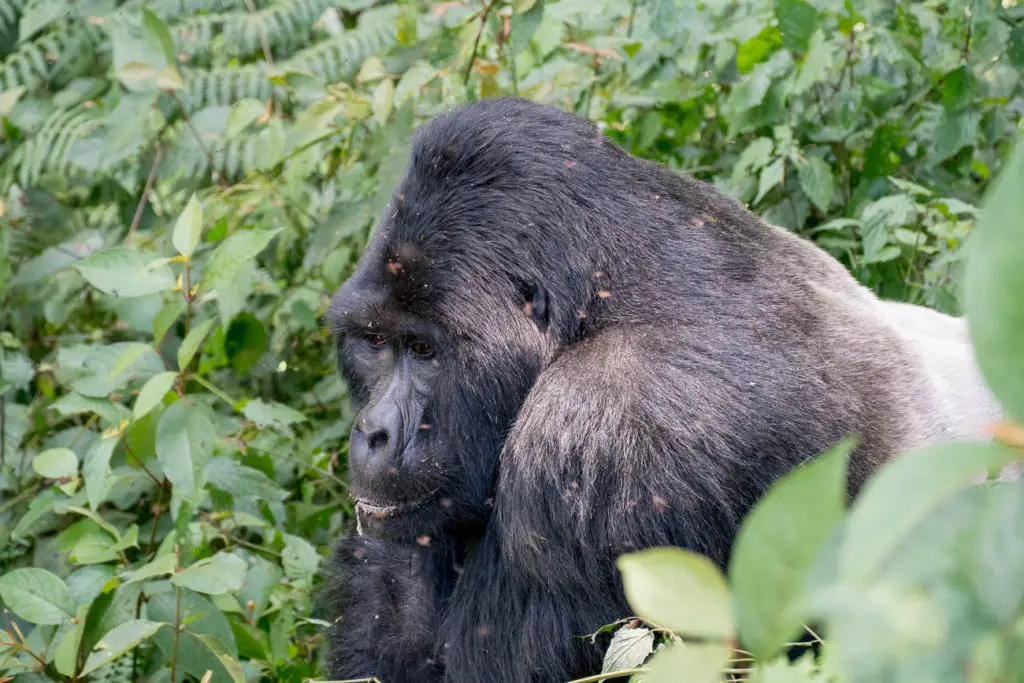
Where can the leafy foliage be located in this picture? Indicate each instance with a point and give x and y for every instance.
(185, 182)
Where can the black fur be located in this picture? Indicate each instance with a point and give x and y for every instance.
(626, 359)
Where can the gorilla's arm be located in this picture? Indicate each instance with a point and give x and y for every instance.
(613, 451)
(387, 599)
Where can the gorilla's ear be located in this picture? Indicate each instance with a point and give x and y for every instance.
(535, 303)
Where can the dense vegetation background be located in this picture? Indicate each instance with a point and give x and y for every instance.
(185, 182)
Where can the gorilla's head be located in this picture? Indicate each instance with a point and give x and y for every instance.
(481, 267)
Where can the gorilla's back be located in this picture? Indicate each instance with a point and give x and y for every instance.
(925, 360)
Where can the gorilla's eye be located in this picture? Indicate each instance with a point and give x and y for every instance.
(421, 350)
(378, 342)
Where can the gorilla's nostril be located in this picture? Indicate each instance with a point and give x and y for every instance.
(377, 440)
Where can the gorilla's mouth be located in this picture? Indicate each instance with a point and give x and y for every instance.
(376, 510)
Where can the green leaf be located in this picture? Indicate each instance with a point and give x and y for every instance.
(903, 495)
(231, 665)
(222, 573)
(153, 392)
(96, 471)
(299, 558)
(956, 131)
(188, 228)
(771, 176)
(56, 463)
(629, 649)
(993, 283)
(271, 414)
(245, 342)
(689, 662)
(777, 546)
(37, 14)
(163, 320)
(120, 640)
(958, 89)
(243, 113)
(131, 353)
(754, 51)
(227, 259)
(817, 64)
(524, 24)
(414, 80)
(184, 439)
(816, 180)
(192, 342)
(159, 32)
(797, 21)
(36, 595)
(164, 565)
(121, 271)
(678, 589)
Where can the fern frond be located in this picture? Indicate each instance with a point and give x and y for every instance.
(59, 55)
(284, 25)
(10, 12)
(49, 148)
(336, 59)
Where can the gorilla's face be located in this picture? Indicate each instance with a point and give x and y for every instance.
(437, 374)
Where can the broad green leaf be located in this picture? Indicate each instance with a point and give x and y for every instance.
(383, 100)
(299, 558)
(153, 391)
(677, 589)
(184, 439)
(190, 344)
(752, 52)
(163, 565)
(958, 87)
(96, 471)
(903, 494)
(245, 341)
(243, 113)
(221, 573)
(231, 665)
(771, 176)
(797, 21)
(993, 283)
(36, 595)
(955, 131)
(777, 546)
(271, 414)
(240, 248)
(414, 80)
(158, 30)
(816, 180)
(121, 271)
(56, 463)
(131, 353)
(689, 663)
(524, 24)
(629, 649)
(817, 64)
(171, 311)
(85, 584)
(188, 228)
(119, 641)
(36, 15)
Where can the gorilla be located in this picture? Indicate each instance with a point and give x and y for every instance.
(561, 353)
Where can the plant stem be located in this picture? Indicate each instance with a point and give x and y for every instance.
(140, 209)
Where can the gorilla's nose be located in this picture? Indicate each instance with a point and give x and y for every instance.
(375, 446)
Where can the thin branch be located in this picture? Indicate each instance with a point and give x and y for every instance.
(141, 464)
(263, 35)
(611, 674)
(137, 218)
(199, 139)
(476, 41)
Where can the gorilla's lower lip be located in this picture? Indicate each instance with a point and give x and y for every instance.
(382, 511)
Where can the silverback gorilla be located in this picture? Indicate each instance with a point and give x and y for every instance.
(562, 353)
